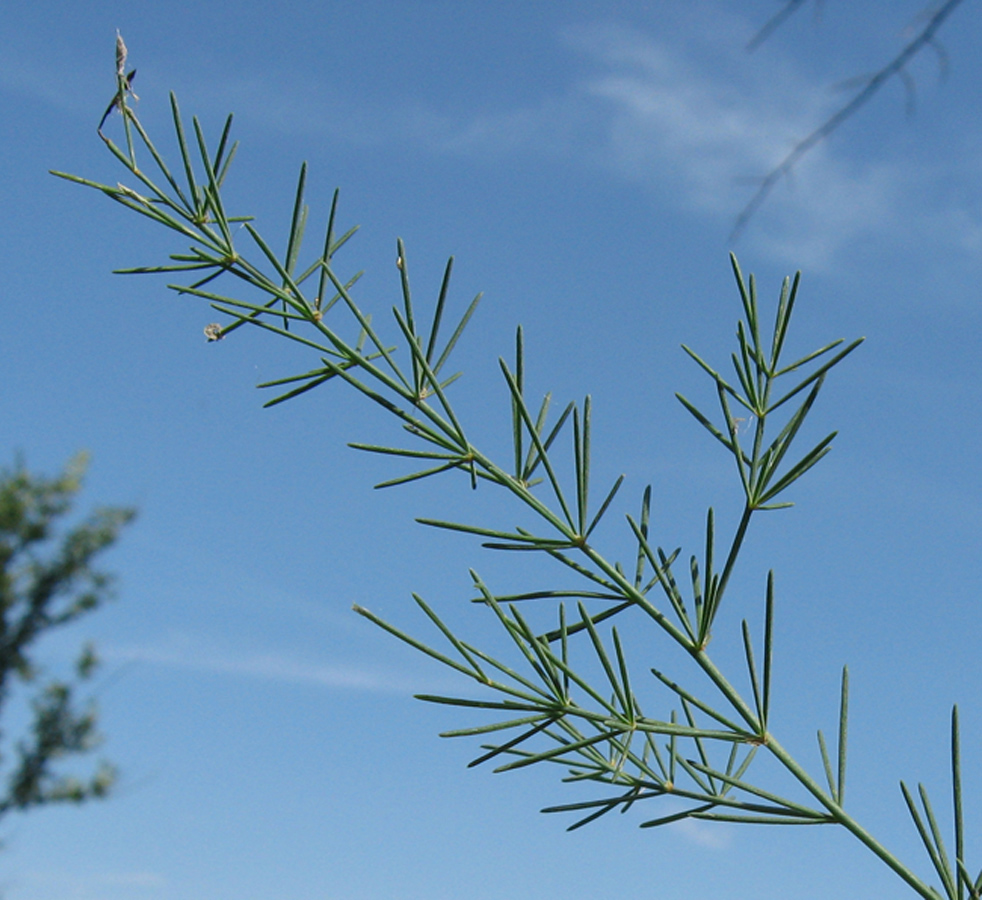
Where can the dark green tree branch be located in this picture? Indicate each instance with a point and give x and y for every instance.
(47, 580)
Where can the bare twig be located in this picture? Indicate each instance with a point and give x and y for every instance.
(772, 24)
(895, 67)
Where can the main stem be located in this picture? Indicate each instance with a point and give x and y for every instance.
(847, 821)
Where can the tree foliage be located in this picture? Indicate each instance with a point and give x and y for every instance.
(48, 580)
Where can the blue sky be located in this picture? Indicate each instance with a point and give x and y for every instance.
(584, 162)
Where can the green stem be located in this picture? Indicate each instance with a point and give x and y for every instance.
(697, 653)
(847, 821)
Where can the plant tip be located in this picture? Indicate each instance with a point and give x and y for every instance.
(120, 55)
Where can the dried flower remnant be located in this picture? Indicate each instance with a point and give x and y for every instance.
(120, 54)
(125, 81)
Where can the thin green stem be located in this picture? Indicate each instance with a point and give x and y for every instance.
(846, 821)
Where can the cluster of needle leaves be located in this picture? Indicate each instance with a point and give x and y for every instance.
(568, 696)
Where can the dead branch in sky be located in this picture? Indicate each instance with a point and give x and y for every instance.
(870, 85)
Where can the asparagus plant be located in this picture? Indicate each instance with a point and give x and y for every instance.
(569, 692)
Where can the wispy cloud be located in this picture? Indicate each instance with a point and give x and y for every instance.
(715, 836)
(674, 120)
(91, 885)
(681, 111)
(184, 651)
(697, 122)
(684, 113)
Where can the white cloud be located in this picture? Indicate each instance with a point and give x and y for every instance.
(682, 111)
(695, 120)
(195, 653)
(92, 885)
(714, 835)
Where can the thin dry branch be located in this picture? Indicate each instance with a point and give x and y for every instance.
(925, 38)
(772, 24)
